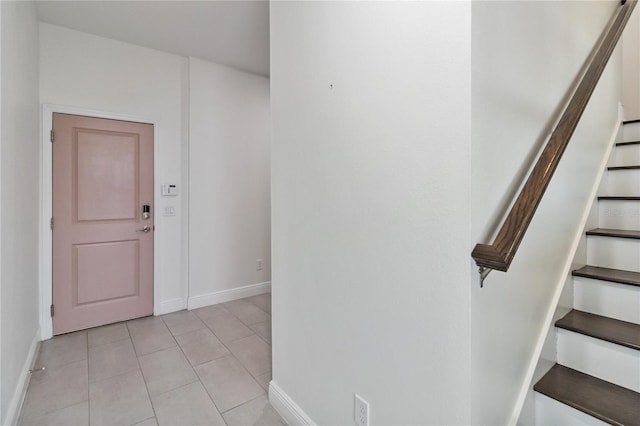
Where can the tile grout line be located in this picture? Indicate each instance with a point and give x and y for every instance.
(88, 385)
(255, 377)
(142, 373)
(246, 402)
(112, 343)
(236, 358)
(265, 393)
(193, 369)
(199, 379)
(124, 323)
(231, 354)
(193, 366)
(45, 413)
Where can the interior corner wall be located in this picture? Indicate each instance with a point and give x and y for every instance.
(19, 188)
(96, 73)
(229, 181)
(525, 58)
(370, 105)
(2, 412)
(631, 67)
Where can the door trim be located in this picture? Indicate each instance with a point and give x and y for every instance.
(46, 203)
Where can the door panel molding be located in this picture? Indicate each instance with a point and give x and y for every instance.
(90, 212)
(46, 211)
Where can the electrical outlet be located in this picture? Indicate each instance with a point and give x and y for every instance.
(361, 411)
(258, 264)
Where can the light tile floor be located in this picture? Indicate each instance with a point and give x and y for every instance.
(209, 366)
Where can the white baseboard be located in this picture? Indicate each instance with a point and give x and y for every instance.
(15, 404)
(286, 407)
(228, 295)
(172, 305)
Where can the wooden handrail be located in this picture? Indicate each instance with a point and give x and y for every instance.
(500, 254)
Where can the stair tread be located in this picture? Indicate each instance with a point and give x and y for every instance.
(606, 401)
(611, 330)
(624, 167)
(628, 143)
(609, 274)
(620, 233)
(620, 197)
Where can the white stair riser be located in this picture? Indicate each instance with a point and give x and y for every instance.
(619, 214)
(627, 155)
(550, 412)
(631, 132)
(607, 299)
(607, 361)
(616, 253)
(623, 182)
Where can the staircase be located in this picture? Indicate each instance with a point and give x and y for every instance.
(597, 376)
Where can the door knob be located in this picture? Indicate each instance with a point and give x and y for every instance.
(145, 229)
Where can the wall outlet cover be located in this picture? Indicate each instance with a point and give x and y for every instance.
(361, 411)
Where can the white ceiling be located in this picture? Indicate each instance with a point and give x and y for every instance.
(233, 33)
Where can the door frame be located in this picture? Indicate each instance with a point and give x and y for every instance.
(46, 204)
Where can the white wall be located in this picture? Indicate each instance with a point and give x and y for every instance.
(20, 170)
(370, 188)
(2, 413)
(213, 130)
(631, 67)
(229, 180)
(82, 70)
(525, 56)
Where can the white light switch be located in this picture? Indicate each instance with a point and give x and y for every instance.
(169, 211)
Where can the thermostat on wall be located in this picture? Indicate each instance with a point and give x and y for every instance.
(169, 189)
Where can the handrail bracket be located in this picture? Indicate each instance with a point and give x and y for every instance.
(484, 273)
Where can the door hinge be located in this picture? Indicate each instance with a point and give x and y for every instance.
(53, 135)
(51, 224)
(52, 310)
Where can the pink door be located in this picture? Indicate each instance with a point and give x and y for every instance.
(102, 237)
